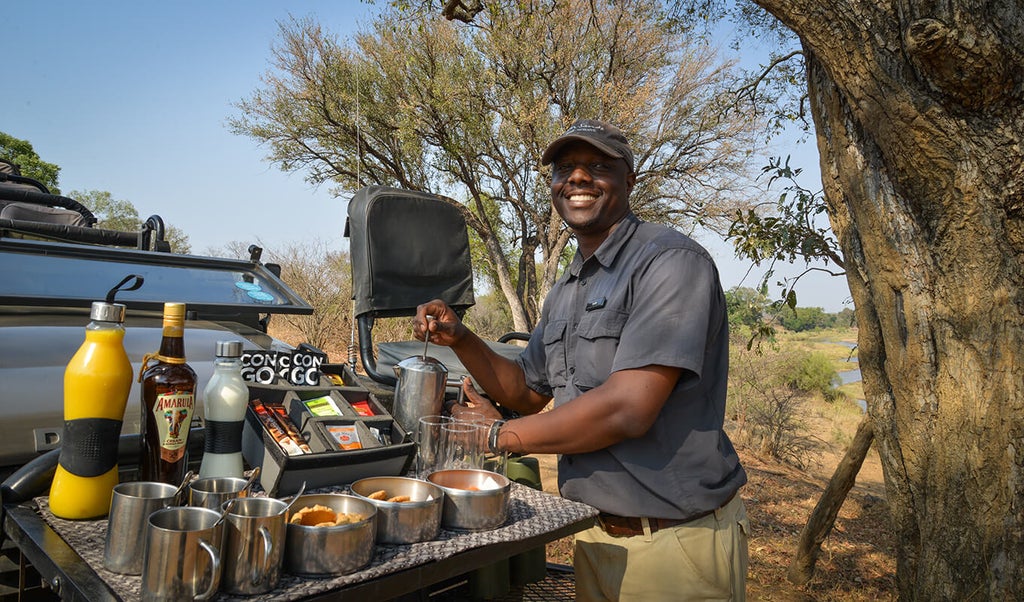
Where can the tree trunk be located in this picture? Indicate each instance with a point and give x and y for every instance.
(920, 121)
(823, 517)
(520, 321)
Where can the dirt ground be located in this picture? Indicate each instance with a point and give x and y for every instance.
(857, 561)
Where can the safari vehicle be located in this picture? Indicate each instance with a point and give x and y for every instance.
(54, 262)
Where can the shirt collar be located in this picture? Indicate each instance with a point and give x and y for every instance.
(609, 249)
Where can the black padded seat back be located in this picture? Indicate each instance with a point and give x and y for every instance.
(407, 248)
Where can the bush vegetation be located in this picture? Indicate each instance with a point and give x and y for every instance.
(774, 389)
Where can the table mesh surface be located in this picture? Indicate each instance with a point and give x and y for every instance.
(530, 513)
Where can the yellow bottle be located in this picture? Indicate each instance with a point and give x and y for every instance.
(97, 381)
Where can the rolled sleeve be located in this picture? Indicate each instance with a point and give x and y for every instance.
(673, 300)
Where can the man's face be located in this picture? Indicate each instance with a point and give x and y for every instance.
(590, 189)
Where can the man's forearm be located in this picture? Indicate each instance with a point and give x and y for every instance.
(501, 378)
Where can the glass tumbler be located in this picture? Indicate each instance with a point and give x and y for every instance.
(429, 444)
(464, 444)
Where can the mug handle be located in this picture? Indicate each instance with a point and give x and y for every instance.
(261, 570)
(214, 570)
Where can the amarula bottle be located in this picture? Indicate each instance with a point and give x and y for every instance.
(168, 403)
(225, 399)
(97, 382)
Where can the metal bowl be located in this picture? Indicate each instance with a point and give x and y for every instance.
(474, 500)
(418, 519)
(330, 550)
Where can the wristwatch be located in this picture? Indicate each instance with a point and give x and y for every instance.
(492, 436)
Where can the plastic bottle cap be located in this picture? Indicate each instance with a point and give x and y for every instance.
(107, 312)
(229, 349)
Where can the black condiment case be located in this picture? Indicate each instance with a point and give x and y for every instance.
(386, 449)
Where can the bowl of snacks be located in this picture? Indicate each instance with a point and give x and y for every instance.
(474, 500)
(408, 510)
(329, 534)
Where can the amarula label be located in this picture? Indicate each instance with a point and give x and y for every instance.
(173, 412)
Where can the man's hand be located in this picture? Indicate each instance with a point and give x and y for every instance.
(444, 326)
(474, 402)
(501, 378)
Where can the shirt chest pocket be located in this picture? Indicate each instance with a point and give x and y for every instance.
(599, 333)
(554, 353)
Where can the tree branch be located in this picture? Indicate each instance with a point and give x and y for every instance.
(823, 517)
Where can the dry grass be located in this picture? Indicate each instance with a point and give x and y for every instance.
(857, 560)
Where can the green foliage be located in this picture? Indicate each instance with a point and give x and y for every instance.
(122, 215)
(772, 391)
(745, 306)
(111, 214)
(21, 153)
(792, 230)
(489, 317)
(846, 318)
(809, 372)
(800, 319)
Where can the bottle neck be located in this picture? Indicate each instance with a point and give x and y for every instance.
(103, 325)
(172, 345)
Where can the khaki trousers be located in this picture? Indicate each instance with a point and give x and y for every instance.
(704, 559)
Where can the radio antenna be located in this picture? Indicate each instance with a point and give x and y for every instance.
(359, 165)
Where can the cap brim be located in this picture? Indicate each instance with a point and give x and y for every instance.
(554, 147)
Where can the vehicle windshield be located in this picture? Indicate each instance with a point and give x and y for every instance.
(56, 278)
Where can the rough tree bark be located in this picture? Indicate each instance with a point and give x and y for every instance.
(919, 113)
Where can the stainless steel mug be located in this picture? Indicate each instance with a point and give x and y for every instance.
(255, 530)
(212, 492)
(130, 507)
(182, 559)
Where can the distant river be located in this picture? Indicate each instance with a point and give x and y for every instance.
(851, 376)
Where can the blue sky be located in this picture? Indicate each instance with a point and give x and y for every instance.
(132, 97)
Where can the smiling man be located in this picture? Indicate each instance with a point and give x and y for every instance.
(633, 346)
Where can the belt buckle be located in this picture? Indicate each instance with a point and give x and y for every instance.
(618, 526)
(611, 528)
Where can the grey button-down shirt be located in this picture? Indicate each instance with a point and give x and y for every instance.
(648, 296)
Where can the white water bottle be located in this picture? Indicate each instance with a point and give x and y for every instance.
(225, 399)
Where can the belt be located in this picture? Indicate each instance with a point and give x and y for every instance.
(631, 526)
